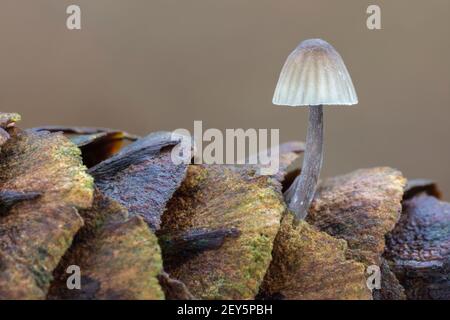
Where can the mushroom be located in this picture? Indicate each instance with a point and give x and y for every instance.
(313, 75)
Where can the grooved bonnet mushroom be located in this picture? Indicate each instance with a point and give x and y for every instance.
(313, 75)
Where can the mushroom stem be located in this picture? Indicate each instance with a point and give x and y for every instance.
(301, 192)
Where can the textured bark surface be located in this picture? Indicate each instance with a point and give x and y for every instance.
(142, 176)
(35, 232)
(118, 255)
(360, 207)
(4, 136)
(310, 264)
(289, 167)
(289, 153)
(174, 289)
(98, 147)
(181, 247)
(419, 248)
(77, 130)
(8, 119)
(418, 186)
(9, 198)
(238, 204)
(391, 289)
(96, 144)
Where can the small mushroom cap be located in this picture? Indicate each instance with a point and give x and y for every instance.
(314, 74)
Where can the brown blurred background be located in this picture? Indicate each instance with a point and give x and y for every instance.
(146, 65)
